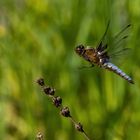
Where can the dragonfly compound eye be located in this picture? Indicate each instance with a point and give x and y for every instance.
(80, 49)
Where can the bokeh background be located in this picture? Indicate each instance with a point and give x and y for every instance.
(37, 39)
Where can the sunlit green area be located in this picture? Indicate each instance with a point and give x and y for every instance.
(37, 39)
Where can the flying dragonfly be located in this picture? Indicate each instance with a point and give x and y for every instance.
(100, 56)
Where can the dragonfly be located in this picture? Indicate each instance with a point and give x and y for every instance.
(100, 56)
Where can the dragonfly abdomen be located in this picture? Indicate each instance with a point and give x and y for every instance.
(118, 71)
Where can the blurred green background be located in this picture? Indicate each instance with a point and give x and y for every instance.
(37, 39)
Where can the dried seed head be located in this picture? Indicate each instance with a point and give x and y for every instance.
(40, 81)
(57, 101)
(65, 112)
(48, 90)
(52, 91)
(39, 136)
(79, 127)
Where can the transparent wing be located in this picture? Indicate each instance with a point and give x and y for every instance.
(119, 56)
(118, 50)
(103, 42)
(115, 45)
(118, 41)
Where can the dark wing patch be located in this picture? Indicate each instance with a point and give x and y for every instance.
(102, 45)
(114, 45)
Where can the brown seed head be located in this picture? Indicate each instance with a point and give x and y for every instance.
(57, 101)
(40, 81)
(79, 127)
(48, 90)
(65, 112)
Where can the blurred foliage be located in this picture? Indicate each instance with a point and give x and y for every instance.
(37, 39)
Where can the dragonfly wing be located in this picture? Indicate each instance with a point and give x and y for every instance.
(115, 44)
(118, 41)
(103, 43)
(120, 56)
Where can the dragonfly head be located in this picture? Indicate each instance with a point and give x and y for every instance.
(80, 49)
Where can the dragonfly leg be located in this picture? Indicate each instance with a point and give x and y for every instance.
(84, 67)
(92, 65)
